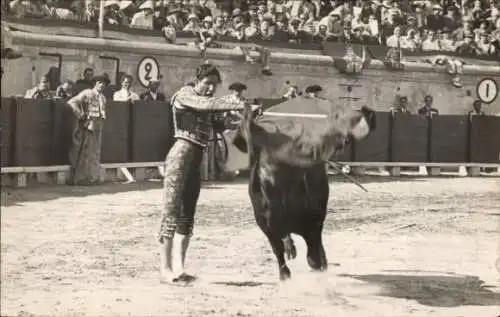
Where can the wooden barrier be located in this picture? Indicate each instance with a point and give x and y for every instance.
(116, 133)
(448, 139)
(485, 139)
(152, 131)
(377, 146)
(33, 133)
(7, 121)
(38, 133)
(409, 138)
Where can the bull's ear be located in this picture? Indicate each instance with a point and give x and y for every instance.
(240, 142)
(369, 115)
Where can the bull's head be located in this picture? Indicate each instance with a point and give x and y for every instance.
(300, 144)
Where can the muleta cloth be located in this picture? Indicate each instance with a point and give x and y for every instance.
(300, 131)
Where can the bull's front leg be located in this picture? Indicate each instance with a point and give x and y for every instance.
(279, 251)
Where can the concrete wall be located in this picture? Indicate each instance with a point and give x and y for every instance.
(377, 86)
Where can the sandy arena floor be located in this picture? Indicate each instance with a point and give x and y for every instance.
(409, 247)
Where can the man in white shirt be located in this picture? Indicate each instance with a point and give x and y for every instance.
(395, 40)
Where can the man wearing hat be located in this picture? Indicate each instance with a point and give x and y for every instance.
(152, 93)
(313, 91)
(89, 108)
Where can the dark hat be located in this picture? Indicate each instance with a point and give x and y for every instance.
(237, 86)
(313, 89)
(101, 78)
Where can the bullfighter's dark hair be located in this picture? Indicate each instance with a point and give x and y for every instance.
(87, 69)
(207, 70)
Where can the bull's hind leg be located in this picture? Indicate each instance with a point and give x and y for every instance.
(316, 255)
(290, 249)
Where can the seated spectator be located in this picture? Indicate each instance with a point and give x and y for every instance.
(86, 82)
(152, 93)
(402, 106)
(125, 93)
(192, 24)
(427, 109)
(322, 35)
(169, 32)
(411, 41)
(64, 91)
(447, 43)
(41, 91)
(485, 44)
(220, 27)
(29, 9)
(431, 43)
(468, 47)
(477, 111)
(113, 15)
(395, 40)
(91, 13)
(144, 18)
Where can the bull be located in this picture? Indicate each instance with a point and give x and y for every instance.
(288, 184)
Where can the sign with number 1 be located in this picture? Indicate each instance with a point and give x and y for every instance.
(148, 69)
(487, 90)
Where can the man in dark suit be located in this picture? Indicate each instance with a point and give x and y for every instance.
(152, 93)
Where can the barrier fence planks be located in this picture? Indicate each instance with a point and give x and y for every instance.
(34, 132)
(7, 125)
(448, 139)
(409, 138)
(485, 139)
(377, 146)
(152, 135)
(116, 135)
(64, 123)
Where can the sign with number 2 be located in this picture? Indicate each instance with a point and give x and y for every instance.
(148, 69)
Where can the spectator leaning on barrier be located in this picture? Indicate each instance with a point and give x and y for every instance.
(477, 109)
(89, 108)
(402, 106)
(427, 109)
(125, 93)
(41, 91)
(152, 93)
(64, 91)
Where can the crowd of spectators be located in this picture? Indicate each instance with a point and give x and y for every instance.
(468, 27)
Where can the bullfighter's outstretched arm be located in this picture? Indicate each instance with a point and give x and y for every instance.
(187, 97)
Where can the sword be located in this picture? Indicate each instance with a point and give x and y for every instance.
(335, 166)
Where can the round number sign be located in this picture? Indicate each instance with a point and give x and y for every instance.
(147, 70)
(487, 90)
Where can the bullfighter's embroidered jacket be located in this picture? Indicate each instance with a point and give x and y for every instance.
(193, 114)
(91, 103)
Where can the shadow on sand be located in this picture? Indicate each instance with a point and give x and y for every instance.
(434, 290)
(242, 283)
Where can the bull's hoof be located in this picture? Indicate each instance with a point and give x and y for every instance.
(318, 266)
(285, 273)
